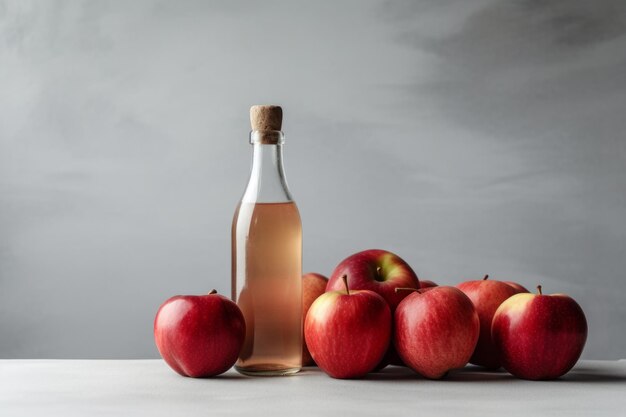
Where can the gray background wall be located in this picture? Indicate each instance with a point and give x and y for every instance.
(470, 137)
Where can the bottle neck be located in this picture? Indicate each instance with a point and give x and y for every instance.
(267, 182)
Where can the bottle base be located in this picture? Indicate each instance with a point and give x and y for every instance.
(268, 370)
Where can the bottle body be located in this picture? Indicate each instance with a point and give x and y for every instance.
(267, 269)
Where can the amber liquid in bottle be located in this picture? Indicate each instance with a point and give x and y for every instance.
(267, 245)
(267, 257)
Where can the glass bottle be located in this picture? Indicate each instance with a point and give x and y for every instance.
(267, 256)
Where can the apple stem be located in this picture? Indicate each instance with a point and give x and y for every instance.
(213, 291)
(539, 290)
(345, 282)
(486, 277)
(379, 271)
(407, 289)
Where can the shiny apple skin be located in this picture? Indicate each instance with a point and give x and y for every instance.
(486, 295)
(361, 270)
(539, 337)
(348, 335)
(199, 335)
(436, 330)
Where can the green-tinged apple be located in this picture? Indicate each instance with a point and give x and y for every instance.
(313, 285)
(199, 335)
(539, 336)
(436, 330)
(380, 271)
(487, 295)
(348, 332)
(376, 270)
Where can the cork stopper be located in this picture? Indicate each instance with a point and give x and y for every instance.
(266, 117)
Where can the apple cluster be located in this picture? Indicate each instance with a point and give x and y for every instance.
(374, 311)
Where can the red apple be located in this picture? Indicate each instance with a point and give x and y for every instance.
(424, 283)
(487, 295)
(382, 272)
(539, 336)
(348, 331)
(313, 285)
(518, 287)
(436, 330)
(375, 270)
(199, 335)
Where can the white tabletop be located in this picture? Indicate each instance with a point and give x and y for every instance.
(150, 388)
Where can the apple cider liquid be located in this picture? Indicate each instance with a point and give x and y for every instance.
(267, 257)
